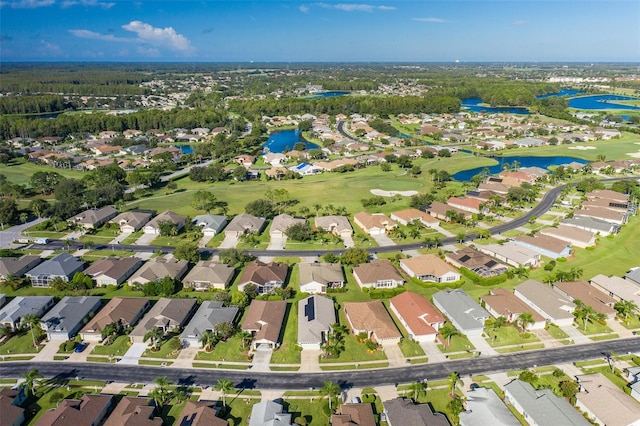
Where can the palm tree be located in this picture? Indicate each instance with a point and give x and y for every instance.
(332, 390)
(417, 388)
(625, 309)
(161, 394)
(31, 379)
(109, 331)
(586, 314)
(245, 337)
(500, 322)
(521, 272)
(448, 331)
(224, 386)
(524, 320)
(31, 321)
(154, 334)
(208, 340)
(454, 379)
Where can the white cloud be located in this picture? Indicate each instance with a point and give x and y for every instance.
(148, 52)
(26, 4)
(104, 5)
(159, 36)
(355, 7)
(98, 36)
(303, 8)
(519, 23)
(432, 20)
(50, 49)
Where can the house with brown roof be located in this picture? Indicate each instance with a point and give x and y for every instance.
(244, 223)
(575, 236)
(441, 211)
(265, 276)
(281, 223)
(17, 266)
(112, 270)
(199, 413)
(429, 268)
(374, 224)
(405, 217)
(167, 315)
(122, 311)
(353, 415)
(604, 403)
(611, 216)
(619, 206)
(337, 225)
(208, 274)
(545, 245)
(476, 262)
(245, 160)
(11, 414)
(133, 411)
(131, 221)
(93, 218)
(552, 305)
(512, 254)
(378, 274)
(417, 315)
(153, 227)
(373, 319)
(158, 268)
(468, 204)
(618, 288)
(607, 194)
(318, 277)
(589, 295)
(89, 410)
(501, 302)
(264, 321)
(404, 412)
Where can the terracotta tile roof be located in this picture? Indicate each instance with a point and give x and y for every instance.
(417, 312)
(429, 264)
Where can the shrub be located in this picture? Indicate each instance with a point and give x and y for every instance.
(478, 280)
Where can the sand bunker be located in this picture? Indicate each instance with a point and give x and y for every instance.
(635, 154)
(392, 193)
(582, 148)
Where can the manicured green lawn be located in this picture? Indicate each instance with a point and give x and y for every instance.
(556, 332)
(354, 352)
(289, 352)
(231, 350)
(592, 328)
(240, 410)
(118, 348)
(132, 238)
(165, 351)
(508, 335)
(410, 348)
(458, 343)
(19, 344)
(20, 171)
(313, 412)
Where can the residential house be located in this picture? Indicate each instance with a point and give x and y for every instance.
(606, 203)
(265, 276)
(11, 414)
(553, 306)
(597, 226)
(167, 315)
(618, 288)
(512, 254)
(67, 317)
(445, 212)
(405, 217)
(122, 311)
(417, 315)
(269, 413)
(337, 225)
(207, 317)
(207, 275)
(602, 213)
(464, 313)
(211, 225)
(604, 402)
(17, 266)
(404, 412)
(353, 415)
(244, 223)
(545, 245)
(245, 160)
(318, 277)
(633, 275)
(484, 407)
(134, 411)
(501, 302)
(93, 218)
(264, 320)
(274, 158)
(13, 312)
(589, 295)
(374, 224)
(199, 413)
(378, 274)
(633, 377)
(316, 315)
(153, 227)
(468, 204)
(373, 319)
(430, 268)
(157, 269)
(529, 142)
(541, 407)
(574, 236)
(305, 169)
(476, 262)
(608, 194)
(131, 221)
(63, 266)
(281, 223)
(112, 270)
(89, 410)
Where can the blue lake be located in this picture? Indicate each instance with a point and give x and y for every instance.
(281, 140)
(562, 92)
(599, 102)
(328, 94)
(525, 161)
(186, 149)
(472, 104)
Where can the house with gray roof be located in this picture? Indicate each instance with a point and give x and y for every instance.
(484, 407)
(464, 313)
(404, 412)
(541, 407)
(17, 266)
(633, 275)
(512, 254)
(13, 312)
(244, 223)
(555, 307)
(93, 218)
(211, 225)
(167, 315)
(112, 270)
(336, 225)
(67, 317)
(131, 221)
(597, 226)
(62, 266)
(281, 223)
(153, 227)
(545, 245)
(208, 274)
(316, 314)
(618, 288)
(269, 413)
(158, 268)
(316, 278)
(208, 315)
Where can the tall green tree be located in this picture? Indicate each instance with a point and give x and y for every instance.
(225, 387)
(331, 390)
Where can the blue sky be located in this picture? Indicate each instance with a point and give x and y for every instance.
(283, 31)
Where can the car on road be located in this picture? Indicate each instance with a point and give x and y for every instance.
(80, 347)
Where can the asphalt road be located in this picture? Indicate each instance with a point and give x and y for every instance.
(346, 379)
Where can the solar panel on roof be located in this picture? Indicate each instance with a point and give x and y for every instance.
(464, 258)
(310, 310)
(491, 264)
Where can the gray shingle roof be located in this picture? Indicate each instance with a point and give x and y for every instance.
(465, 313)
(60, 265)
(207, 317)
(315, 315)
(484, 407)
(24, 305)
(67, 315)
(208, 221)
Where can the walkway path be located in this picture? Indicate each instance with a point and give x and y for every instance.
(9, 235)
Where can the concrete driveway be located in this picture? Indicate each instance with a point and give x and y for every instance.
(229, 242)
(383, 240)
(145, 239)
(120, 238)
(134, 352)
(348, 241)
(277, 243)
(261, 359)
